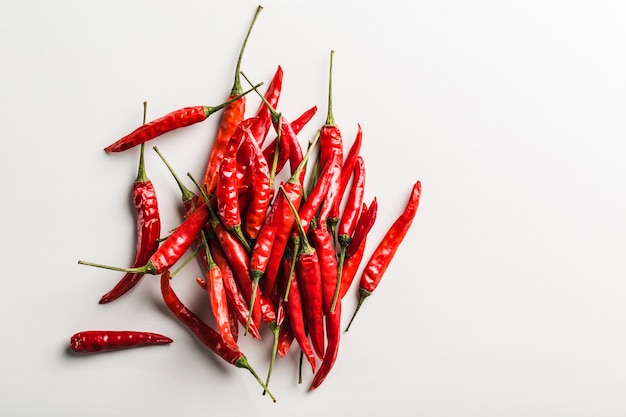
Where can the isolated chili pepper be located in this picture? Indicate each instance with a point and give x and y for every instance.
(172, 248)
(309, 273)
(148, 224)
(231, 117)
(205, 333)
(346, 173)
(217, 295)
(383, 254)
(92, 341)
(348, 222)
(171, 121)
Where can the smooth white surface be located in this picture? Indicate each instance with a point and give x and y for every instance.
(507, 296)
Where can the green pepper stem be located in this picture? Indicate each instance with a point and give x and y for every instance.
(275, 328)
(296, 249)
(362, 296)
(256, 277)
(146, 269)
(242, 362)
(342, 257)
(141, 172)
(330, 119)
(187, 194)
(209, 110)
(237, 84)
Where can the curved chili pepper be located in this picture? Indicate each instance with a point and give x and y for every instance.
(349, 219)
(148, 223)
(261, 192)
(350, 268)
(285, 338)
(383, 254)
(92, 341)
(346, 173)
(333, 335)
(231, 117)
(172, 248)
(217, 295)
(263, 113)
(205, 333)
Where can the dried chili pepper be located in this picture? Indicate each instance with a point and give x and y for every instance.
(172, 248)
(148, 223)
(346, 173)
(92, 341)
(309, 273)
(231, 117)
(217, 295)
(171, 121)
(383, 254)
(349, 219)
(295, 311)
(331, 146)
(205, 333)
(261, 191)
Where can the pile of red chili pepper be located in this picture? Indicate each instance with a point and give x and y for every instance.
(282, 255)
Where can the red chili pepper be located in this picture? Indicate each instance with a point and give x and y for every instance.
(261, 192)
(349, 219)
(172, 248)
(285, 338)
(350, 268)
(346, 173)
(171, 121)
(333, 335)
(383, 254)
(297, 126)
(263, 113)
(217, 295)
(226, 189)
(231, 117)
(205, 333)
(322, 241)
(232, 289)
(295, 310)
(103, 340)
(363, 227)
(330, 141)
(148, 223)
(309, 273)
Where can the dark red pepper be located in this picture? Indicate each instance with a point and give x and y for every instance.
(104, 340)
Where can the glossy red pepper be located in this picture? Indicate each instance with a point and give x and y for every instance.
(333, 335)
(386, 249)
(92, 341)
(350, 268)
(261, 192)
(148, 223)
(231, 117)
(205, 333)
(363, 227)
(322, 241)
(346, 173)
(263, 113)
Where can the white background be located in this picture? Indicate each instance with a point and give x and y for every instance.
(507, 296)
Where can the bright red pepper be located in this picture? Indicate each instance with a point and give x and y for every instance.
(346, 173)
(148, 223)
(261, 192)
(363, 227)
(383, 254)
(263, 113)
(103, 340)
(322, 241)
